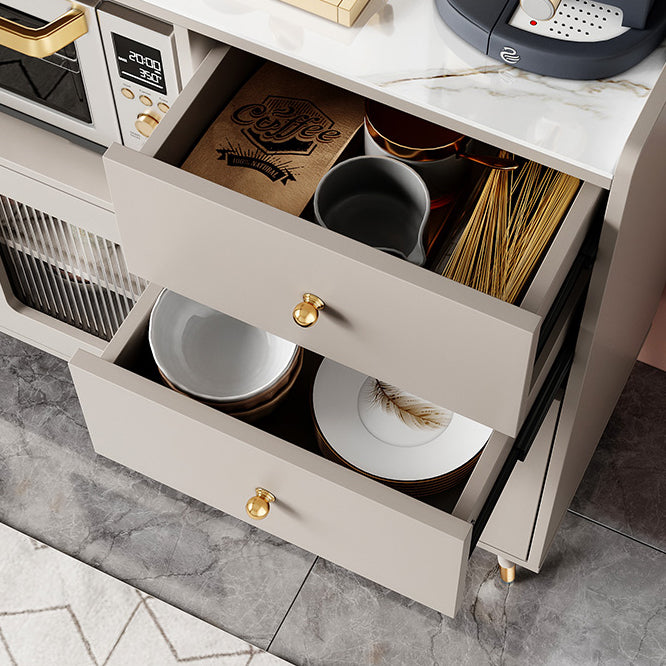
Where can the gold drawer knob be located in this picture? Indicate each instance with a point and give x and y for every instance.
(257, 507)
(306, 313)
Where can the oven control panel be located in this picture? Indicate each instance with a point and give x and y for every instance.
(143, 69)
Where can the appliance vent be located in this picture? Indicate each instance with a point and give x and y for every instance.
(575, 21)
(64, 271)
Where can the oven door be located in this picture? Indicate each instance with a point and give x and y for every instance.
(68, 89)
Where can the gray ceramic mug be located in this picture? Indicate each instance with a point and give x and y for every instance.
(377, 201)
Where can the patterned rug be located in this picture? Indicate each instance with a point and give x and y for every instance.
(57, 611)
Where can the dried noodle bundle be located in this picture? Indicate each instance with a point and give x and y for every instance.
(509, 228)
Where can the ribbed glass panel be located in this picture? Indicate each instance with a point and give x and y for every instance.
(64, 271)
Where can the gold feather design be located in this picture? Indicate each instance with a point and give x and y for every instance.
(412, 411)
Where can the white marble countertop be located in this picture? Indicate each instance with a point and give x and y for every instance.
(400, 51)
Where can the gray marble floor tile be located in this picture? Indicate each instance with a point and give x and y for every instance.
(625, 485)
(53, 487)
(599, 600)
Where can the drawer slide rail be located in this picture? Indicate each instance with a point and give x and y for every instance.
(555, 381)
(583, 263)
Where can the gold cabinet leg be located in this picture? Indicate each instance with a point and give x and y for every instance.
(507, 570)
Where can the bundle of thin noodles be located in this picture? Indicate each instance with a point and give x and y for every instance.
(509, 228)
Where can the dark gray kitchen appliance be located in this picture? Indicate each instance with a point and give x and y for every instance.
(572, 39)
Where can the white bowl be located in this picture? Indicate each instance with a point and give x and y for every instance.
(213, 356)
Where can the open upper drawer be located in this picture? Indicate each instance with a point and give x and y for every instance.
(321, 506)
(387, 318)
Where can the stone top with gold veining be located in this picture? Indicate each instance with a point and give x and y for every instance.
(401, 51)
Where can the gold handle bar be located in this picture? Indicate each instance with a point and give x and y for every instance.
(44, 41)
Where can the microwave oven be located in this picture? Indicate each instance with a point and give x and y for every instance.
(94, 69)
(98, 73)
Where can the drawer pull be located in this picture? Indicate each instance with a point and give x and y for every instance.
(306, 313)
(257, 507)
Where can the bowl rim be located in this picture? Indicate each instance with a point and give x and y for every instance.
(429, 153)
(226, 400)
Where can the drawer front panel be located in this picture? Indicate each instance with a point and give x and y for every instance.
(53, 160)
(387, 318)
(511, 526)
(320, 506)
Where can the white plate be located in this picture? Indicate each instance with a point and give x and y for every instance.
(335, 404)
(211, 355)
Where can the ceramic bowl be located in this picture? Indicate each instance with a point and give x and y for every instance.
(443, 178)
(214, 357)
(436, 153)
(431, 150)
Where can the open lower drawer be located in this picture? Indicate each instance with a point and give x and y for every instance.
(387, 318)
(321, 506)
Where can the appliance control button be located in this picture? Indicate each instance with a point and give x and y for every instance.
(127, 93)
(541, 10)
(144, 99)
(163, 107)
(146, 123)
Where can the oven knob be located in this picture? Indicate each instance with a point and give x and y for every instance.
(146, 123)
(541, 10)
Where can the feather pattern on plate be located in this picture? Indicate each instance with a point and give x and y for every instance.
(412, 411)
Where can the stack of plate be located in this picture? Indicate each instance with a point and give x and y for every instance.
(219, 360)
(390, 435)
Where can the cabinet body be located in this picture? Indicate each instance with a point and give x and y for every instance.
(483, 358)
(43, 172)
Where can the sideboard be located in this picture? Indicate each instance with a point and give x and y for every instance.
(544, 374)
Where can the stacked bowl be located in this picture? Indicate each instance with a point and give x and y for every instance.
(218, 360)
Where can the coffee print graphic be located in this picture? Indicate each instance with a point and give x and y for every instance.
(278, 126)
(277, 136)
(255, 159)
(285, 126)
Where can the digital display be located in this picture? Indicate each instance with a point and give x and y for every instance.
(139, 63)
